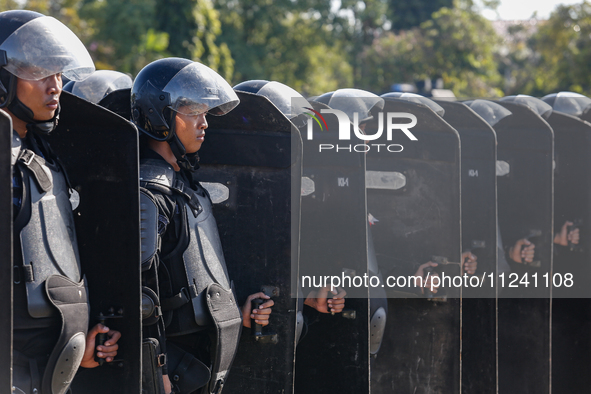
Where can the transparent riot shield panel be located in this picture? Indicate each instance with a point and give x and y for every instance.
(412, 226)
(525, 155)
(479, 237)
(6, 253)
(99, 151)
(571, 306)
(333, 355)
(254, 182)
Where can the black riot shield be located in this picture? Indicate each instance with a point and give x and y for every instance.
(413, 193)
(99, 151)
(525, 210)
(479, 236)
(572, 199)
(118, 102)
(5, 253)
(254, 183)
(525, 193)
(333, 357)
(571, 312)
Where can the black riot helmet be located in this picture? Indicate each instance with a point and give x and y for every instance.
(535, 104)
(569, 103)
(287, 100)
(417, 98)
(107, 88)
(167, 86)
(99, 85)
(353, 102)
(33, 47)
(490, 111)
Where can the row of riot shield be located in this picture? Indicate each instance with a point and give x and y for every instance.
(479, 177)
(300, 207)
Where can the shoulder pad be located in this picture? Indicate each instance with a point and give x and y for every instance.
(157, 171)
(148, 229)
(16, 147)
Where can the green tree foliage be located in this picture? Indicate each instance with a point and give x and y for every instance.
(124, 38)
(128, 34)
(406, 14)
(65, 10)
(192, 27)
(284, 41)
(318, 45)
(6, 5)
(562, 53)
(456, 44)
(517, 62)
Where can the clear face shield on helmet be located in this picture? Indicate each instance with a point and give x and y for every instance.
(351, 101)
(197, 89)
(491, 112)
(535, 104)
(291, 103)
(43, 47)
(417, 98)
(568, 102)
(100, 83)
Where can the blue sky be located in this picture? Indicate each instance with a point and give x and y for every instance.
(523, 9)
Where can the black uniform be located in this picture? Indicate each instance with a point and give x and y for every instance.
(34, 338)
(186, 331)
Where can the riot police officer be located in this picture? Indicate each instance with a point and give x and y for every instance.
(192, 316)
(50, 296)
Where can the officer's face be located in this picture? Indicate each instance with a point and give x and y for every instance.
(191, 130)
(41, 96)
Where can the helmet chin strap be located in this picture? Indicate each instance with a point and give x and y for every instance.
(21, 111)
(187, 161)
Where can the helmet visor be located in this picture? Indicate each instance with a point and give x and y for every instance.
(568, 102)
(352, 101)
(417, 98)
(43, 47)
(101, 83)
(491, 112)
(535, 104)
(286, 99)
(197, 89)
